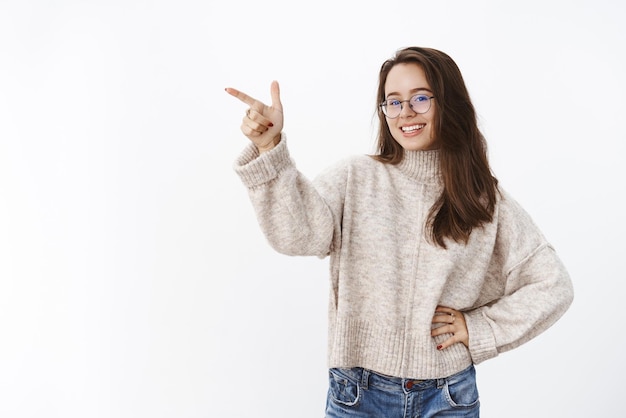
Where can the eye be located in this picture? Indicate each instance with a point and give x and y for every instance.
(393, 102)
(420, 98)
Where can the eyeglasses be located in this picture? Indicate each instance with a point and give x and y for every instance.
(420, 103)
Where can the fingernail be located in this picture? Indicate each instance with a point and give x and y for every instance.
(439, 347)
(271, 124)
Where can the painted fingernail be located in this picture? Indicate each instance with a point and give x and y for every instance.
(439, 347)
(271, 124)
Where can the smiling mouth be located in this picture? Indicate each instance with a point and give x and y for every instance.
(413, 128)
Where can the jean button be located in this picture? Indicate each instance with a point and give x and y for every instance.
(409, 384)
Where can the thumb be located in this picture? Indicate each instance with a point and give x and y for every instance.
(275, 92)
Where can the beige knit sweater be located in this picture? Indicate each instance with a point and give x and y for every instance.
(386, 278)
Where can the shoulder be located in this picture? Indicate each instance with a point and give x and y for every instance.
(346, 165)
(511, 211)
(516, 229)
(359, 160)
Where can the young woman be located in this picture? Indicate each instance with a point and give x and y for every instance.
(433, 266)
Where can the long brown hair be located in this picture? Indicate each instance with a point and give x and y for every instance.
(469, 187)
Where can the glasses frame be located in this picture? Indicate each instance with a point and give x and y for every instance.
(383, 105)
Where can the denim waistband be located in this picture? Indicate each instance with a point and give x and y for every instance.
(366, 378)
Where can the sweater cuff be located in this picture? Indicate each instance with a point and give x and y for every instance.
(255, 169)
(482, 343)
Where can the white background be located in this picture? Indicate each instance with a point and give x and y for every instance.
(134, 280)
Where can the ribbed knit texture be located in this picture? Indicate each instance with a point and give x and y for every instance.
(386, 277)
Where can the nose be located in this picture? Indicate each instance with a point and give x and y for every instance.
(407, 110)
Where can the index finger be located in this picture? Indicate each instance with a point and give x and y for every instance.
(242, 96)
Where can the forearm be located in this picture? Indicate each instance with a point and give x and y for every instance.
(539, 294)
(291, 212)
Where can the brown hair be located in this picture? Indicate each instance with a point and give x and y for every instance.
(469, 187)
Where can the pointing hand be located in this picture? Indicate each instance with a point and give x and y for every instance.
(262, 124)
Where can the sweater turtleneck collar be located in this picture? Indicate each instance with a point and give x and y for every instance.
(422, 166)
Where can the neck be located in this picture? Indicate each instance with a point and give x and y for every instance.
(422, 166)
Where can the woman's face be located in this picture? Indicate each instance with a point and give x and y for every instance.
(413, 131)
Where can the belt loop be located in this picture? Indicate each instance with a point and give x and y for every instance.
(365, 377)
(441, 382)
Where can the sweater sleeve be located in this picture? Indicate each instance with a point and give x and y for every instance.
(537, 289)
(293, 215)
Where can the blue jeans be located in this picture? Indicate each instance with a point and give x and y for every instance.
(362, 393)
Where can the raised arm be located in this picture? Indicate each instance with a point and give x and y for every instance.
(294, 215)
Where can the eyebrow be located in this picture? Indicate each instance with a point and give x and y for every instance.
(413, 91)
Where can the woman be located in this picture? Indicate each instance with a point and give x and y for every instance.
(434, 268)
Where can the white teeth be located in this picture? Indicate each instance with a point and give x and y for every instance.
(412, 128)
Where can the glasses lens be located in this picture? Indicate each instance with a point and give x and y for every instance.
(392, 108)
(420, 103)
